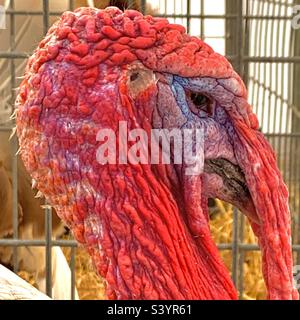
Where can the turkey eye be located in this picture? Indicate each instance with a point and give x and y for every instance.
(199, 100)
(200, 104)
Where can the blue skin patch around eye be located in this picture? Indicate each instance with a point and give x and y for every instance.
(205, 85)
(179, 85)
(180, 97)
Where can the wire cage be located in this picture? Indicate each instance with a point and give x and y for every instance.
(258, 38)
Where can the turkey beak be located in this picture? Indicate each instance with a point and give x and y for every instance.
(234, 188)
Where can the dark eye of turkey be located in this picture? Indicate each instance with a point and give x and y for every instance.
(200, 103)
(199, 100)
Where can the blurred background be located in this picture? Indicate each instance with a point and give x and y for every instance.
(261, 39)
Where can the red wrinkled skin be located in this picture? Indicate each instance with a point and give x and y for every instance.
(145, 236)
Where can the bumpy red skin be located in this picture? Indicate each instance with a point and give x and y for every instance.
(132, 218)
